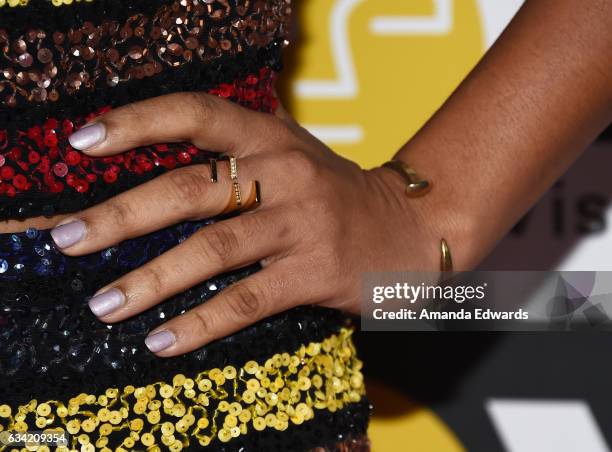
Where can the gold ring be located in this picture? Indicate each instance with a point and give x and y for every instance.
(233, 162)
(213, 171)
(235, 201)
(233, 165)
(254, 199)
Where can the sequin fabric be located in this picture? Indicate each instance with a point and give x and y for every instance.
(51, 343)
(33, 254)
(44, 65)
(351, 444)
(215, 405)
(41, 174)
(61, 67)
(23, 3)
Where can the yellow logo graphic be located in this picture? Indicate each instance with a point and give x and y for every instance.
(366, 74)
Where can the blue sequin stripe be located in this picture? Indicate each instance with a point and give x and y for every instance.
(33, 252)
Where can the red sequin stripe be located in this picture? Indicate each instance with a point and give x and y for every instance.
(41, 159)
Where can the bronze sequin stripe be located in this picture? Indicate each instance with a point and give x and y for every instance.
(42, 65)
(215, 405)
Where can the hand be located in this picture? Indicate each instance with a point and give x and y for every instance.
(322, 223)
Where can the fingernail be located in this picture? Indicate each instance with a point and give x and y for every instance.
(157, 342)
(68, 234)
(88, 136)
(106, 302)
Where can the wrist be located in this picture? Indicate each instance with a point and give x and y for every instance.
(416, 240)
(426, 220)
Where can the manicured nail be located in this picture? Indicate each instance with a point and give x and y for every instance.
(157, 342)
(106, 302)
(88, 136)
(68, 234)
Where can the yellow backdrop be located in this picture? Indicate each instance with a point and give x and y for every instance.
(364, 75)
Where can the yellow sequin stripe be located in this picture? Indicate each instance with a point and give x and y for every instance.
(216, 404)
(14, 3)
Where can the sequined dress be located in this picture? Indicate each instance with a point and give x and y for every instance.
(290, 383)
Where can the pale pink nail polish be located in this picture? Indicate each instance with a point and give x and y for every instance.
(68, 234)
(88, 136)
(106, 302)
(157, 342)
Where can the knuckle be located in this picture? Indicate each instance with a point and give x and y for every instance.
(128, 113)
(319, 210)
(323, 203)
(121, 212)
(203, 322)
(155, 278)
(299, 162)
(325, 273)
(200, 105)
(252, 227)
(332, 270)
(245, 301)
(217, 243)
(279, 131)
(188, 185)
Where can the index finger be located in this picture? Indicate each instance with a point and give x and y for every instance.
(205, 120)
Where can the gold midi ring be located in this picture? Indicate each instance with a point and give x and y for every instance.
(235, 201)
(233, 167)
(254, 199)
(233, 162)
(415, 186)
(213, 171)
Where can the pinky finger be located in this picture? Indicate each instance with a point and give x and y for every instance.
(242, 304)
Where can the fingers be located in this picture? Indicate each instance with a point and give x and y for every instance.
(206, 121)
(261, 295)
(209, 251)
(186, 193)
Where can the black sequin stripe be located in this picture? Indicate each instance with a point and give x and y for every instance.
(93, 361)
(42, 13)
(325, 430)
(51, 343)
(48, 352)
(195, 76)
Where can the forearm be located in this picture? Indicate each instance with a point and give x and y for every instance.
(529, 108)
